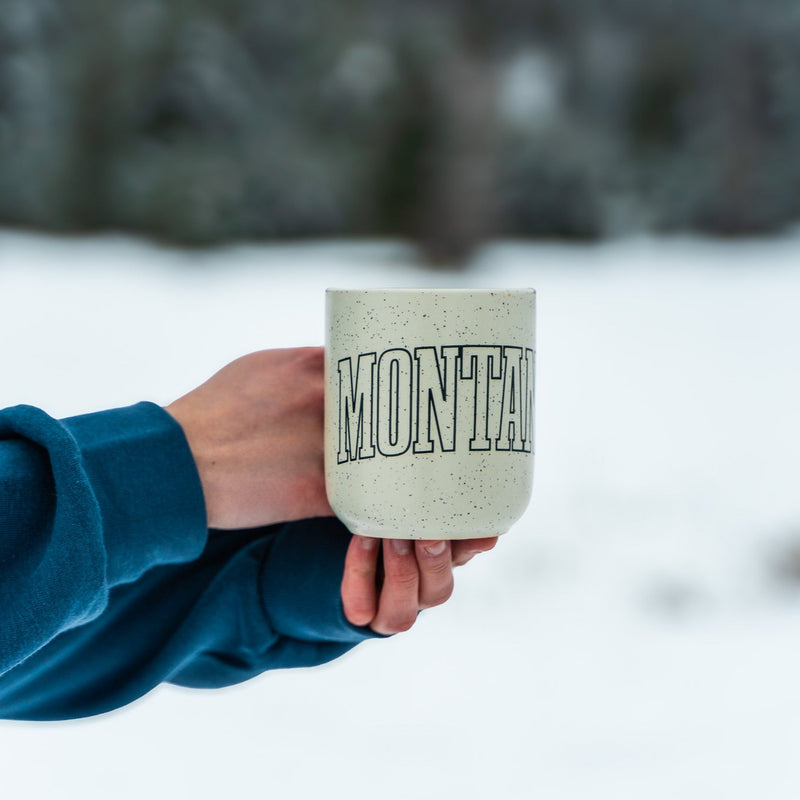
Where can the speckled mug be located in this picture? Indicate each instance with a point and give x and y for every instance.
(429, 410)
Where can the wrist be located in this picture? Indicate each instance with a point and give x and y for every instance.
(194, 440)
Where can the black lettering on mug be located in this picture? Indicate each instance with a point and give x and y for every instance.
(394, 400)
(512, 413)
(528, 401)
(356, 414)
(436, 398)
(484, 366)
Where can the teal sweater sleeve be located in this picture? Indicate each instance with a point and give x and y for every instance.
(110, 583)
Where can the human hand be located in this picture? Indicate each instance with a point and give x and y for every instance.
(255, 430)
(415, 575)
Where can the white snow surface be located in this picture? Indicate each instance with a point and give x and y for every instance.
(627, 639)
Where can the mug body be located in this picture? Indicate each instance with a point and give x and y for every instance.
(429, 410)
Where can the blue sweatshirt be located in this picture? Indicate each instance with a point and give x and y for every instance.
(110, 582)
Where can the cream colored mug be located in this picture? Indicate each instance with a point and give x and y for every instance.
(429, 410)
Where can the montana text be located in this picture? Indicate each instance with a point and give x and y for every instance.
(395, 402)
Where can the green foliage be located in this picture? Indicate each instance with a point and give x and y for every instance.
(201, 121)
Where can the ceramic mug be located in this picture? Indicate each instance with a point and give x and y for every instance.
(429, 410)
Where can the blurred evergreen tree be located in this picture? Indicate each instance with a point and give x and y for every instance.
(201, 121)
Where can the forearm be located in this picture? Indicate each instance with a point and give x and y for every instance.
(254, 600)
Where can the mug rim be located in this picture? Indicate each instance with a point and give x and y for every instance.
(434, 290)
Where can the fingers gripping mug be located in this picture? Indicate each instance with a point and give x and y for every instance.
(429, 410)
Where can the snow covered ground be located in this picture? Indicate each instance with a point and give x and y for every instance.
(630, 638)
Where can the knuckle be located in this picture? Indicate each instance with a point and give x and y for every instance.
(438, 567)
(311, 489)
(359, 613)
(310, 397)
(404, 580)
(358, 571)
(445, 593)
(311, 358)
(400, 623)
(439, 595)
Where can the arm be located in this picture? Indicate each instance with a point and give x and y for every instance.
(111, 585)
(72, 521)
(116, 585)
(257, 599)
(95, 501)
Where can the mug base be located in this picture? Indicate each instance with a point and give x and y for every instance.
(423, 535)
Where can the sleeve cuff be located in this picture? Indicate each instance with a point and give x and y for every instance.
(146, 484)
(301, 583)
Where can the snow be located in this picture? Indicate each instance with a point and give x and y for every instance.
(628, 638)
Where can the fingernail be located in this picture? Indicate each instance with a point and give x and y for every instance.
(368, 543)
(435, 548)
(401, 546)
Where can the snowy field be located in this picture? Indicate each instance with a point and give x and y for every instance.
(636, 636)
